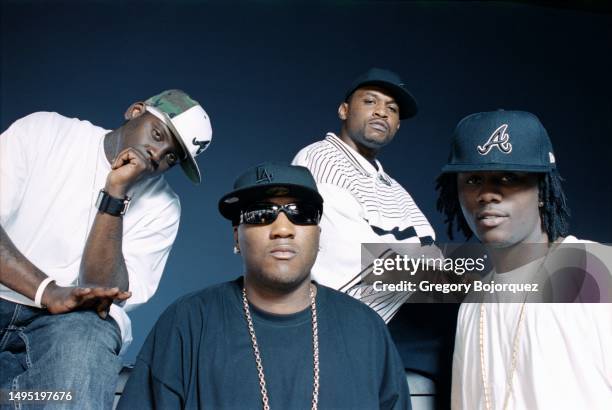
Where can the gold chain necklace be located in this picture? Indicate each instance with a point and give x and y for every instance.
(315, 348)
(515, 344)
(513, 357)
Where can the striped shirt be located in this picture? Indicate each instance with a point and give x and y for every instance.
(362, 205)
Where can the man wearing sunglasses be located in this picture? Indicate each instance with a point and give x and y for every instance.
(272, 338)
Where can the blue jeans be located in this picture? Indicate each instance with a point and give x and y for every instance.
(76, 352)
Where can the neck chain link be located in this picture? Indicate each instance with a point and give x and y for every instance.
(515, 345)
(315, 349)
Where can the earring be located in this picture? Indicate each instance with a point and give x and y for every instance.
(540, 204)
(236, 250)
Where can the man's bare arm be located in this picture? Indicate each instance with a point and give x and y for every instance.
(16, 271)
(19, 274)
(103, 263)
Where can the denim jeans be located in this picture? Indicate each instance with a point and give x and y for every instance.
(76, 352)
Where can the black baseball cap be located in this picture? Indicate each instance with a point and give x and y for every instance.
(500, 141)
(391, 82)
(268, 180)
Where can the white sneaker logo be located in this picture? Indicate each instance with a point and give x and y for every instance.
(499, 139)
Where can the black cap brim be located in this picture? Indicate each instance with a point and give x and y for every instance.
(496, 167)
(231, 204)
(407, 103)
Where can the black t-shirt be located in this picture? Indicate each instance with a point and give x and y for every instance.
(199, 355)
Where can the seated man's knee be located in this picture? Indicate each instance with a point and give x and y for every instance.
(76, 351)
(83, 337)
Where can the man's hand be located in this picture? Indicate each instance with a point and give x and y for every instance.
(130, 166)
(60, 299)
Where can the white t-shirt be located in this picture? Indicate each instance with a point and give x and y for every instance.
(51, 170)
(362, 204)
(564, 356)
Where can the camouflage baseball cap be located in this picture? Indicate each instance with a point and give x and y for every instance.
(188, 122)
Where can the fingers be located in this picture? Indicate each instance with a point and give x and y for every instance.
(104, 292)
(120, 159)
(98, 299)
(131, 165)
(110, 293)
(67, 299)
(130, 156)
(121, 296)
(103, 308)
(79, 292)
(105, 298)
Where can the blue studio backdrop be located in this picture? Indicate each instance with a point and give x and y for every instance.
(271, 75)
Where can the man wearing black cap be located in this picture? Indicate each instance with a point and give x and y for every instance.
(363, 204)
(272, 338)
(502, 186)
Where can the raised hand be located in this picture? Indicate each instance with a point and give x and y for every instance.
(130, 166)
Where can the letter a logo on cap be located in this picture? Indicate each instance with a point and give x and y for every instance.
(499, 139)
(263, 175)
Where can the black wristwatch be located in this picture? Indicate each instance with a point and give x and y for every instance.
(111, 205)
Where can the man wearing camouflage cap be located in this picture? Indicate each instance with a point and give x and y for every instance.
(73, 257)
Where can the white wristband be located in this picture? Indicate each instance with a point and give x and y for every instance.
(41, 289)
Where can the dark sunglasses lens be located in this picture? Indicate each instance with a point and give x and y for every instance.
(303, 214)
(299, 214)
(259, 215)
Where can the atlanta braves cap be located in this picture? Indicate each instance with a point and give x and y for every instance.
(500, 141)
(188, 122)
(268, 180)
(389, 81)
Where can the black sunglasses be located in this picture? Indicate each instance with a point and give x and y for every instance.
(265, 213)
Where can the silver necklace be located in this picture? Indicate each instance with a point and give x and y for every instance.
(315, 349)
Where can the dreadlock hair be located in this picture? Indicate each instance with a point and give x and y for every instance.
(448, 204)
(554, 212)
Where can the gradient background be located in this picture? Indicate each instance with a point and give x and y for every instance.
(271, 75)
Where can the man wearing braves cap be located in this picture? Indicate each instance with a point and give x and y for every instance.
(87, 223)
(502, 185)
(272, 338)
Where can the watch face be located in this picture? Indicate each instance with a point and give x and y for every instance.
(126, 205)
(100, 198)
